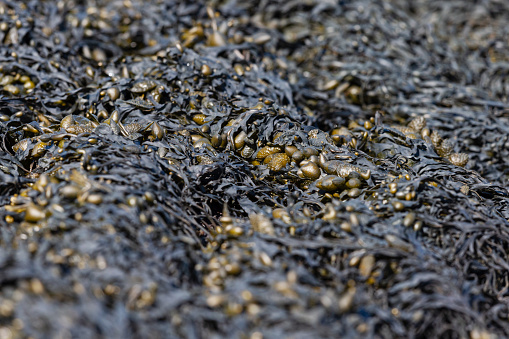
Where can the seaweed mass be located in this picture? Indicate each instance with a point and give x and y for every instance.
(244, 169)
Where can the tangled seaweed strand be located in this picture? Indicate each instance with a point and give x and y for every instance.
(254, 169)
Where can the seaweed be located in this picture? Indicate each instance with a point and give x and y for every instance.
(253, 169)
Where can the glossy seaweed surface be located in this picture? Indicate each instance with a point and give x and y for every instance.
(254, 169)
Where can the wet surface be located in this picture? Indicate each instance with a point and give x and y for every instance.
(255, 170)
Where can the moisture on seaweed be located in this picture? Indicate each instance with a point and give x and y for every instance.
(253, 169)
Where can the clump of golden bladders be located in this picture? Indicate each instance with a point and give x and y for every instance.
(311, 167)
(75, 125)
(444, 147)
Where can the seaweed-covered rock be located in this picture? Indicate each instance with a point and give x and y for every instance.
(253, 169)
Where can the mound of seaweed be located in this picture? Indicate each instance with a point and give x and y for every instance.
(250, 169)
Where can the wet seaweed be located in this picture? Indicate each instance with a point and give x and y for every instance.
(253, 169)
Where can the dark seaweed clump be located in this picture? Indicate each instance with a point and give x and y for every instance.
(252, 169)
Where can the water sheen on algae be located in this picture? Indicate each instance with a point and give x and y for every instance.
(254, 169)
